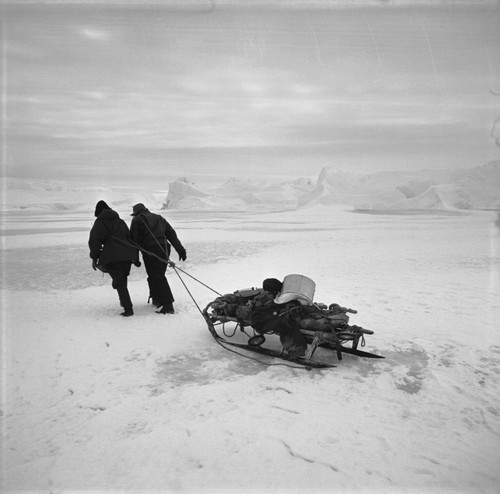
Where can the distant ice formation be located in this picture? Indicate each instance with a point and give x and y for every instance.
(456, 190)
(476, 188)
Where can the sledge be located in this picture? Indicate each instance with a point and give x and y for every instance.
(229, 320)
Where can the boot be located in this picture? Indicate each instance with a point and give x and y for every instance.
(166, 309)
(154, 292)
(125, 300)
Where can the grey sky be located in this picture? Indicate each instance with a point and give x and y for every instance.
(93, 89)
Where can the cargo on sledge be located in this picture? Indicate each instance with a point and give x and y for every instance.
(286, 309)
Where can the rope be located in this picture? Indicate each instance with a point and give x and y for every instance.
(153, 235)
(187, 289)
(168, 262)
(173, 265)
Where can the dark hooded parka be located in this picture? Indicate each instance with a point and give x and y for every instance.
(112, 252)
(154, 234)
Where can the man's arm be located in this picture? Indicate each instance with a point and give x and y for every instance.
(171, 236)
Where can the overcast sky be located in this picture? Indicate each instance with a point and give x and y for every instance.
(203, 88)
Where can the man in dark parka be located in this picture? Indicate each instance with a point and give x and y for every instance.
(153, 233)
(111, 251)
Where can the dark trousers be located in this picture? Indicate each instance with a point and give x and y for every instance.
(119, 272)
(159, 289)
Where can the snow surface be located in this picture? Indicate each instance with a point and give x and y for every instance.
(92, 401)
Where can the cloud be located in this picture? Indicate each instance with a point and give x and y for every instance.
(146, 79)
(93, 95)
(95, 34)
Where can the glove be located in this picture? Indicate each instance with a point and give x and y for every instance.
(182, 255)
(94, 264)
(137, 263)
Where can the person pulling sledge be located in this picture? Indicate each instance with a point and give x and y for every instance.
(112, 253)
(154, 234)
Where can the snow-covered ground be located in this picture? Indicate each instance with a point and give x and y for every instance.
(94, 401)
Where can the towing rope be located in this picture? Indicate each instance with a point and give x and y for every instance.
(176, 269)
